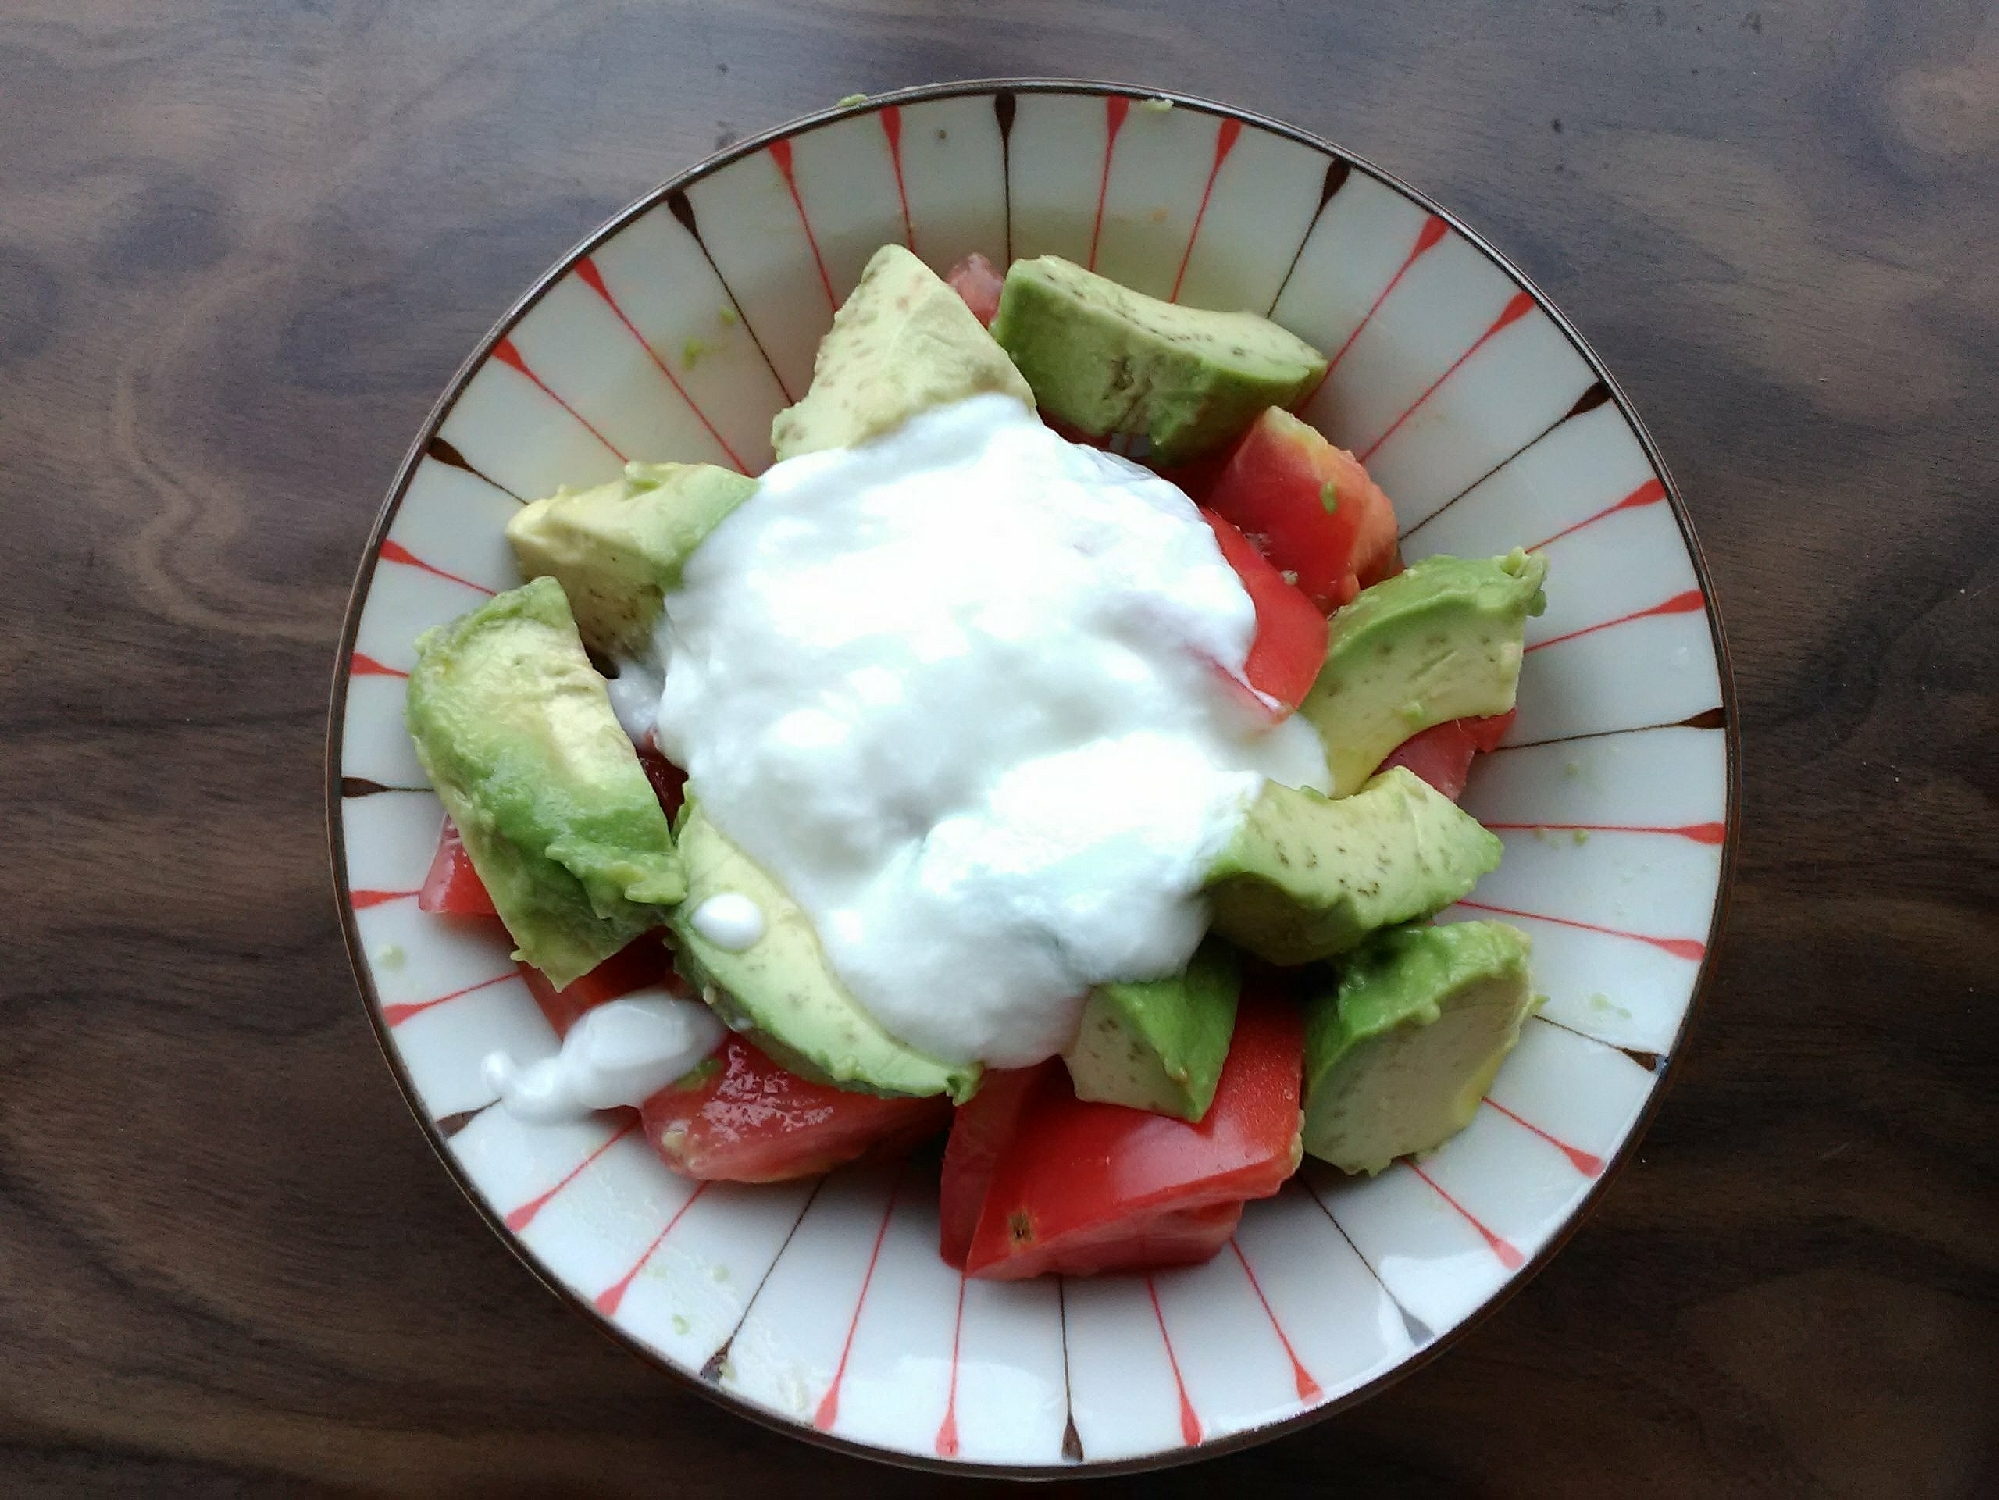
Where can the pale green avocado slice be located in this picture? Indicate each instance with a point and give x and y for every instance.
(514, 729)
(1439, 641)
(616, 549)
(901, 343)
(1159, 1045)
(1306, 877)
(1400, 1051)
(781, 991)
(1108, 360)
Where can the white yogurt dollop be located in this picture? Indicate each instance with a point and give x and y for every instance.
(621, 1052)
(957, 691)
(730, 920)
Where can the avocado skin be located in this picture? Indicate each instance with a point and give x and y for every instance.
(514, 729)
(1306, 877)
(781, 992)
(1399, 1052)
(901, 343)
(1159, 1045)
(1439, 641)
(618, 548)
(1106, 359)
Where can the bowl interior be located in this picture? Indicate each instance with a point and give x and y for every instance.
(676, 333)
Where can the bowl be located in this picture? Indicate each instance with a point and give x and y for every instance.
(822, 1308)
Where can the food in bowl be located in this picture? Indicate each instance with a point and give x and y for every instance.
(961, 776)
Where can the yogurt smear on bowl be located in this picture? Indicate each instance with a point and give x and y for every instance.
(965, 692)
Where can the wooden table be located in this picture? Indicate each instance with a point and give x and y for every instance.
(243, 245)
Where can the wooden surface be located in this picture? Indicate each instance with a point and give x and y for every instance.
(243, 245)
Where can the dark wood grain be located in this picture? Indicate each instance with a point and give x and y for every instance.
(242, 245)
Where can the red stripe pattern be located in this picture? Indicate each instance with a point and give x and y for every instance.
(590, 276)
(395, 1015)
(1685, 948)
(1699, 833)
(396, 552)
(361, 665)
(1687, 603)
(508, 355)
(1509, 1256)
(519, 1218)
(1307, 1388)
(1116, 108)
(608, 1301)
(829, 1404)
(1651, 492)
(362, 900)
(1586, 1162)
(1190, 1424)
(1517, 307)
(891, 122)
(947, 1430)
(780, 153)
(1225, 141)
(1427, 239)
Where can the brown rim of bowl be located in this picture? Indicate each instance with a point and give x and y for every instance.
(1248, 1437)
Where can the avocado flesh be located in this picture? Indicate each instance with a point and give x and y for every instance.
(1106, 359)
(781, 991)
(1439, 641)
(515, 730)
(1159, 1045)
(1399, 1053)
(617, 548)
(1306, 877)
(901, 343)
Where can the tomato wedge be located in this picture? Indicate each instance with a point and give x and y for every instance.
(1083, 1187)
(1442, 754)
(669, 782)
(452, 886)
(978, 281)
(1290, 643)
(638, 965)
(981, 1130)
(1309, 506)
(739, 1117)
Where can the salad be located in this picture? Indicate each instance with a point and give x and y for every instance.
(1049, 754)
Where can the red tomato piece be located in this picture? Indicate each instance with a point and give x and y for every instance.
(981, 1129)
(1083, 1186)
(978, 281)
(638, 965)
(1308, 506)
(453, 886)
(1290, 643)
(739, 1117)
(1145, 1242)
(669, 782)
(1442, 754)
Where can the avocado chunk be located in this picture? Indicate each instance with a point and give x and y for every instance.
(901, 343)
(1306, 877)
(616, 549)
(1439, 641)
(1159, 1045)
(1106, 359)
(781, 991)
(1399, 1052)
(515, 730)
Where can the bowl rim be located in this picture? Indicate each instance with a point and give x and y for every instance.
(435, 1132)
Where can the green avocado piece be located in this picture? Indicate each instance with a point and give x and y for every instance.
(1439, 641)
(514, 729)
(1106, 359)
(1159, 1045)
(901, 343)
(1400, 1051)
(781, 991)
(1306, 877)
(616, 549)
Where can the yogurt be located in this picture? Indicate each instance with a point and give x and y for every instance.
(962, 691)
(621, 1052)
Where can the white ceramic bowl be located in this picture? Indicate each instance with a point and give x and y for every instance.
(674, 332)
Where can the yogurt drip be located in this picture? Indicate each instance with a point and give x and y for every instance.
(621, 1052)
(960, 691)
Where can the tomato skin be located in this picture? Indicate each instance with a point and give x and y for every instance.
(1290, 644)
(1273, 488)
(978, 281)
(1084, 1186)
(981, 1129)
(452, 886)
(669, 782)
(1144, 1242)
(740, 1117)
(1442, 754)
(639, 965)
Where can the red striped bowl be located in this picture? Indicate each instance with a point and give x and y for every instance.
(674, 332)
